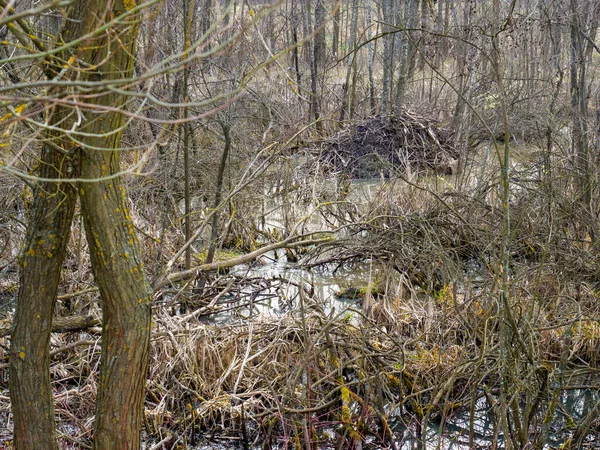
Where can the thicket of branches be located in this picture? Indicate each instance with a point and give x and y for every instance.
(243, 124)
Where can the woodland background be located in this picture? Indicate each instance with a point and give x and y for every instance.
(245, 131)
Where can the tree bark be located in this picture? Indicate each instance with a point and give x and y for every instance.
(214, 226)
(580, 56)
(335, 44)
(370, 59)
(408, 50)
(48, 233)
(47, 237)
(125, 292)
(351, 56)
(125, 299)
(115, 253)
(386, 11)
(317, 62)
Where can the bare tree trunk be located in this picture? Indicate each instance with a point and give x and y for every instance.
(466, 80)
(580, 56)
(335, 44)
(126, 304)
(188, 17)
(48, 233)
(351, 59)
(214, 232)
(408, 51)
(317, 62)
(125, 292)
(386, 11)
(295, 55)
(556, 74)
(370, 58)
(47, 237)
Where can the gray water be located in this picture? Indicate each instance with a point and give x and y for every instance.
(453, 433)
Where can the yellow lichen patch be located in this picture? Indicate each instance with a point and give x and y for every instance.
(129, 4)
(22, 355)
(18, 109)
(30, 252)
(291, 84)
(346, 417)
(393, 380)
(70, 61)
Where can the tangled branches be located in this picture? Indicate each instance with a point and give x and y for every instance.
(386, 144)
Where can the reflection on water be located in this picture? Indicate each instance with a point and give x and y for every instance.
(454, 432)
(321, 286)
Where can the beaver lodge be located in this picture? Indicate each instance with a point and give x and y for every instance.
(385, 144)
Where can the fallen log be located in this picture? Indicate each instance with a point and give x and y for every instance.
(292, 242)
(59, 324)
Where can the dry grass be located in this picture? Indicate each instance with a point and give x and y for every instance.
(337, 380)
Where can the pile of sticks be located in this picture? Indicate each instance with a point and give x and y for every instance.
(384, 144)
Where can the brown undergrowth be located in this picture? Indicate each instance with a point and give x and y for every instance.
(422, 347)
(336, 380)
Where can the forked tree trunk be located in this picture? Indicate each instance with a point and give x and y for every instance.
(116, 261)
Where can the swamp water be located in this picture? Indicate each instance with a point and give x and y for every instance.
(450, 434)
(453, 433)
